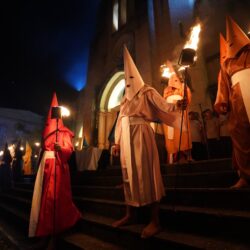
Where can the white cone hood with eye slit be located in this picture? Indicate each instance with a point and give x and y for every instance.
(133, 78)
(236, 38)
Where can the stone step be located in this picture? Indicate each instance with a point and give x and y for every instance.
(116, 209)
(206, 179)
(15, 201)
(207, 221)
(225, 198)
(12, 215)
(105, 192)
(14, 235)
(80, 240)
(24, 185)
(196, 219)
(21, 192)
(97, 233)
(201, 180)
(129, 236)
(201, 197)
(196, 166)
(199, 166)
(191, 221)
(212, 173)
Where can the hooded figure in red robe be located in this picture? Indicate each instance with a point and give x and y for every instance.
(233, 96)
(53, 210)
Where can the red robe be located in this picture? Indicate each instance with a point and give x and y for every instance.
(231, 96)
(66, 214)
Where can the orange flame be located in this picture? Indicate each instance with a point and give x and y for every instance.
(166, 72)
(194, 38)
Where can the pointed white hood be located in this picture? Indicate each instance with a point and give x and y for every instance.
(133, 78)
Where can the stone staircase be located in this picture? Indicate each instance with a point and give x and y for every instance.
(198, 212)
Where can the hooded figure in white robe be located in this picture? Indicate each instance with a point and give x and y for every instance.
(141, 105)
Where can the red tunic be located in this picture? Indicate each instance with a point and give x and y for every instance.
(66, 214)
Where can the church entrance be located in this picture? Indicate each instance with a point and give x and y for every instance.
(109, 108)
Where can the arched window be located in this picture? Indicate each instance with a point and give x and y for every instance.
(116, 95)
(113, 92)
(109, 107)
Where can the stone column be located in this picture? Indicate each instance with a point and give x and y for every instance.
(101, 130)
(109, 123)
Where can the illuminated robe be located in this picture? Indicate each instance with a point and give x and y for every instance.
(27, 165)
(231, 94)
(42, 212)
(172, 135)
(142, 178)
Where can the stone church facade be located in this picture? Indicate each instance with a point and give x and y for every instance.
(154, 31)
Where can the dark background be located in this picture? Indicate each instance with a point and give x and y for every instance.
(44, 48)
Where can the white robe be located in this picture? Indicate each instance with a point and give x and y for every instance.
(139, 156)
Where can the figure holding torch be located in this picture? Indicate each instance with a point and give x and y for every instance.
(174, 92)
(53, 210)
(187, 58)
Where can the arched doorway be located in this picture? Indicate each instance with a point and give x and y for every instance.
(109, 107)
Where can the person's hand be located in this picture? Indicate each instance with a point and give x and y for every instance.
(57, 147)
(115, 149)
(182, 104)
(221, 108)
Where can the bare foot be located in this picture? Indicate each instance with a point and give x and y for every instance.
(123, 221)
(241, 183)
(150, 230)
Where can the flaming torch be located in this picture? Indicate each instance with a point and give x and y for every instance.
(188, 54)
(57, 113)
(187, 58)
(167, 71)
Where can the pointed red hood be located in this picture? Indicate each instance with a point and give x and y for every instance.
(50, 124)
(236, 38)
(223, 49)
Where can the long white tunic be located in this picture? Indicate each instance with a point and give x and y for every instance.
(139, 156)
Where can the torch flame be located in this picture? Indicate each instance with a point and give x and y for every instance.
(65, 111)
(166, 72)
(194, 38)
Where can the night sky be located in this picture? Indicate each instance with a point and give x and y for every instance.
(45, 49)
